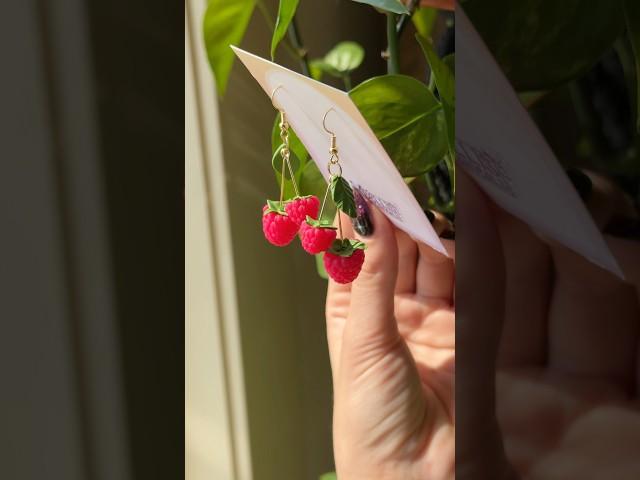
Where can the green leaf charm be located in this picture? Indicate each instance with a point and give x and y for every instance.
(224, 24)
(286, 11)
(276, 161)
(342, 195)
(394, 6)
(299, 158)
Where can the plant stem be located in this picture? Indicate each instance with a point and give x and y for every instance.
(346, 79)
(296, 40)
(433, 191)
(265, 14)
(392, 39)
(449, 160)
(404, 19)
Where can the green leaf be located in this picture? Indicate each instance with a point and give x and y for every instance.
(450, 61)
(440, 71)
(342, 195)
(394, 6)
(321, 67)
(407, 119)
(322, 272)
(224, 24)
(345, 57)
(529, 99)
(541, 44)
(299, 157)
(445, 83)
(424, 18)
(345, 247)
(316, 67)
(276, 161)
(339, 62)
(330, 475)
(286, 12)
(632, 18)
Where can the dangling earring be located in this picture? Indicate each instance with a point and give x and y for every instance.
(343, 257)
(281, 220)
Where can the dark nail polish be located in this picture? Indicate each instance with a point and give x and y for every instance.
(430, 215)
(362, 223)
(449, 234)
(581, 182)
(624, 228)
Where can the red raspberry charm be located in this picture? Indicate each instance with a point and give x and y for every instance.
(278, 228)
(344, 260)
(300, 208)
(316, 238)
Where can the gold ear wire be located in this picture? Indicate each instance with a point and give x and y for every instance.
(333, 150)
(273, 94)
(324, 123)
(284, 151)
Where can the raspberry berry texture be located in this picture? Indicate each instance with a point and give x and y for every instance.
(316, 239)
(278, 228)
(299, 208)
(344, 269)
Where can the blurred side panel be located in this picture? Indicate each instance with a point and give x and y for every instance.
(63, 414)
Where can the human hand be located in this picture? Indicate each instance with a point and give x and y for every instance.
(391, 341)
(564, 334)
(575, 355)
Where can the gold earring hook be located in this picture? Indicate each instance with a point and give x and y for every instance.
(273, 94)
(324, 124)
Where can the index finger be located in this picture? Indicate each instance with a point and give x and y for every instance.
(435, 273)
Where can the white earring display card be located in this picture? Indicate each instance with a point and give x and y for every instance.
(365, 164)
(500, 146)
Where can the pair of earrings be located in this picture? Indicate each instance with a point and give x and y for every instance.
(283, 220)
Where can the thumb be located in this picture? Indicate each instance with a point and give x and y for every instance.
(371, 319)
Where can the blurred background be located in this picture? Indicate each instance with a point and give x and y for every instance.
(91, 269)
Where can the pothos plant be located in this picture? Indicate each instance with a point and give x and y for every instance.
(580, 57)
(413, 118)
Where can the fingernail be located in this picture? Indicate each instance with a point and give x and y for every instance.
(430, 215)
(449, 234)
(441, 224)
(624, 228)
(581, 182)
(362, 223)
